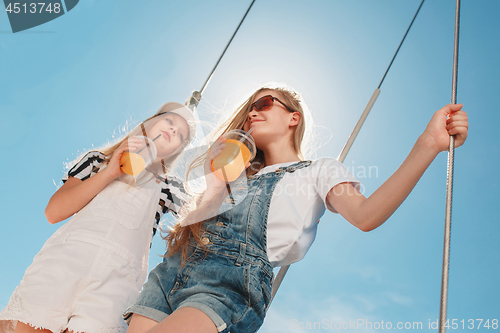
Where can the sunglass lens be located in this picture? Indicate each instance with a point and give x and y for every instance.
(264, 104)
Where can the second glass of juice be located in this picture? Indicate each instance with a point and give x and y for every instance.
(133, 163)
(238, 151)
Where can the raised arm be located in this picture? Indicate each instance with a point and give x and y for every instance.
(369, 213)
(76, 194)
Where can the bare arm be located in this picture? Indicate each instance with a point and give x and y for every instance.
(216, 188)
(76, 194)
(369, 213)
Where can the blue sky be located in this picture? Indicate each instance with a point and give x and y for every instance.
(74, 82)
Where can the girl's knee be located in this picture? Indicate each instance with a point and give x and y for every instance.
(187, 319)
(140, 324)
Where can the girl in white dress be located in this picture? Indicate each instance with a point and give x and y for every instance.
(93, 267)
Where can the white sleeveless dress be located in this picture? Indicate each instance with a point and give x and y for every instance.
(92, 268)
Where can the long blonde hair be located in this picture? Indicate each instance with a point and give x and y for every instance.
(141, 129)
(178, 237)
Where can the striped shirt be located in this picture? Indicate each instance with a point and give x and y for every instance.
(172, 195)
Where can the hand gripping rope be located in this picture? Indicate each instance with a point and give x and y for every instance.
(352, 137)
(449, 185)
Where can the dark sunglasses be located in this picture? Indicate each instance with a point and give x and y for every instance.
(266, 103)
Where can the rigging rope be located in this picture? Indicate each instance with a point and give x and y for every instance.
(195, 97)
(449, 185)
(281, 274)
(395, 54)
(369, 106)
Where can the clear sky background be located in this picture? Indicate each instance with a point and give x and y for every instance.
(74, 82)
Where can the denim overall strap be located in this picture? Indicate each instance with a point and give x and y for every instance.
(241, 231)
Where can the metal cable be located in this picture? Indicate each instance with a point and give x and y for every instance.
(357, 128)
(449, 185)
(281, 274)
(395, 54)
(220, 58)
(193, 100)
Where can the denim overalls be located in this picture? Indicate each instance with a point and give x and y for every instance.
(231, 279)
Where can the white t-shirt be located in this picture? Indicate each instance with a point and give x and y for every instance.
(297, 204)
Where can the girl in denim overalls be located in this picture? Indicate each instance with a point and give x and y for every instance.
(217, 274)
(94, 266)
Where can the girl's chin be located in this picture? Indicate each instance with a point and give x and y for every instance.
(255, 129)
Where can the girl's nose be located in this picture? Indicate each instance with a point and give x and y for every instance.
(252, 114)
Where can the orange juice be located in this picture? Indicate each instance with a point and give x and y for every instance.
(132, 164)
(231, 161)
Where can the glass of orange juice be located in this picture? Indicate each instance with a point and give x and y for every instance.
(133, 163)
(238, 151)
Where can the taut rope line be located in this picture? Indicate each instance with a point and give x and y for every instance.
(449, 185)
(369, 106)
(220, 58)
(195, 97)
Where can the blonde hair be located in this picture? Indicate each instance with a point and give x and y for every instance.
(192, 213)
(141, 129)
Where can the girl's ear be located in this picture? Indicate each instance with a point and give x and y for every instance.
(294, 119)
